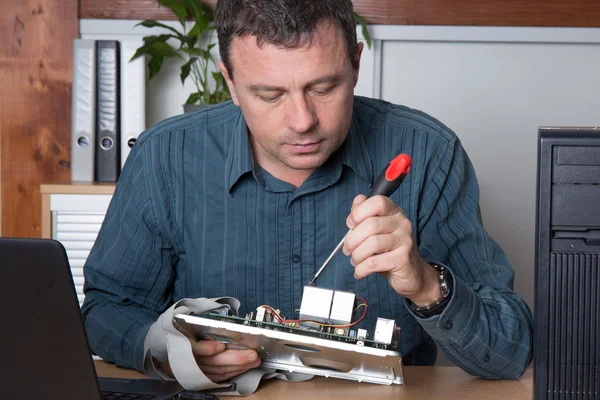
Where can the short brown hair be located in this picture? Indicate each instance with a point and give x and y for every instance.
(287, 23)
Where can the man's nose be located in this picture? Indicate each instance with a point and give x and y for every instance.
(302, 116)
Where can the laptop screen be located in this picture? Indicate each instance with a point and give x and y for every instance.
(45, 351)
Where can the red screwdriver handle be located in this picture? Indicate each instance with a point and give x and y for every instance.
(392, 176)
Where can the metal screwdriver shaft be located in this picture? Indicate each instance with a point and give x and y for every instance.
(333, 253)
(387, 182)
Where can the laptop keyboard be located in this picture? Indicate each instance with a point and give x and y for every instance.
(132, 396)
(125, 396)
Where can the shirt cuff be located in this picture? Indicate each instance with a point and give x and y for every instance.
(458, 320)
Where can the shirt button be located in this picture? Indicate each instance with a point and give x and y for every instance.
(448, 325)
(486, 358)
(296, 258)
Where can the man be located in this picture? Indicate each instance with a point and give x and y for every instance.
(248, 199)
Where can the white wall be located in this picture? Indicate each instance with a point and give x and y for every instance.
(495, 96)
(493, 86)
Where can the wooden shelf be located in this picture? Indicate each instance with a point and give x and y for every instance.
(558, 13)
(78, 188)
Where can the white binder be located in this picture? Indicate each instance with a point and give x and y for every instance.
(133, 96)
(83, 130)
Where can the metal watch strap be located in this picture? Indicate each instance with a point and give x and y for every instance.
(438, 306)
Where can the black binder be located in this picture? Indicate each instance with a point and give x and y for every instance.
(108, 161)
(567, 274)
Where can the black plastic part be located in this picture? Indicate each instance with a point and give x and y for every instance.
(567, 257)
(384, 187)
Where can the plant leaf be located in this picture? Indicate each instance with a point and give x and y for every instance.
(163, 49)
(138, 53)
(186, 68)
(194, 51)
(176, 7)
(363, 24)
(150, 23)
(217, 76)
(221, 92)
(157, 38)
(195, 31)
(149, 42)
(194, 98)
(201, 13)
(190, 39)
(154, 65)
(196, 9)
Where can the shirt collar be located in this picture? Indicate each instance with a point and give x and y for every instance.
(355, 154)
(240, 160)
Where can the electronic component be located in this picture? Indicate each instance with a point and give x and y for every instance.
(260, 314)
(362, 334)
(341, 308)
(316, 305)
(384, 330)
(268, 316)
(341, 331)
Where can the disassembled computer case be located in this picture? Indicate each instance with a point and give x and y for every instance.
(321, 342)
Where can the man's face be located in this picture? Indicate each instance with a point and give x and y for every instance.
(297, 102)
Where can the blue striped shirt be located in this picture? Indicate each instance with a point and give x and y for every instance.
(193, 216)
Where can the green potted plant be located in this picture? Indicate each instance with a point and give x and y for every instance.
(194, 50)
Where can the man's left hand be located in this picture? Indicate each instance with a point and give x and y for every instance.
(381, 241)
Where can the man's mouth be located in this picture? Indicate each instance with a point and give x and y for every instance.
(305, 147)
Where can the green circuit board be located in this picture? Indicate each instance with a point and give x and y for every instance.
(318, 333)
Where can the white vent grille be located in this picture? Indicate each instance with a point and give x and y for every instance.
(77, 232)
(76, 221)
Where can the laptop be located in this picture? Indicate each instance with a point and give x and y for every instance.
(45, 352)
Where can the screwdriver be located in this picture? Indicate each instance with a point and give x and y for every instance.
(387, 182)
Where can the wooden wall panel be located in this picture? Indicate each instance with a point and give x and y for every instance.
(35, 105)
(127, 9)
(576, 13)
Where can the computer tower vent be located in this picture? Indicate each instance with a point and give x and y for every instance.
(574, 331)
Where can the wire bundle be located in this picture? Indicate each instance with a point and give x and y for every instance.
(284, 321)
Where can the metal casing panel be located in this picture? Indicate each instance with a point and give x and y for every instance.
(299, 353)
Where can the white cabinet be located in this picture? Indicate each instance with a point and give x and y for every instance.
(72, 214)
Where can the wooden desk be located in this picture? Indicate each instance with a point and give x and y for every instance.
(422, 383)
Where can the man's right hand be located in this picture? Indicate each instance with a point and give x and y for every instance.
(219, 363)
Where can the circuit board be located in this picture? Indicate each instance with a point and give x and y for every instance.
(276, 326)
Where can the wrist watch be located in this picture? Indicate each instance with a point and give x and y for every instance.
(436, 308)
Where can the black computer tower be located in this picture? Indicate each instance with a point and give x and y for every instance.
(567, 274)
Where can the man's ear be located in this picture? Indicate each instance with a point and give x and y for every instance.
(356, 61)
(230, 83)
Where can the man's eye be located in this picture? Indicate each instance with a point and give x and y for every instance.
(271, 99)
(323, 92)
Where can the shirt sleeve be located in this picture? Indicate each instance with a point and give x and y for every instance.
(130, 269)
(486, 328)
